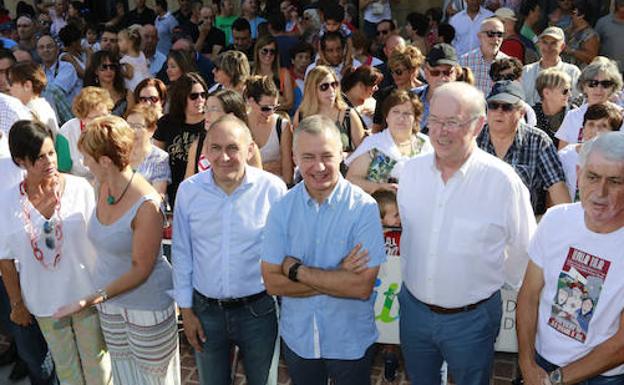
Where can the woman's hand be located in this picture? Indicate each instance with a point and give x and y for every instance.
(70, 309)
(20, 315)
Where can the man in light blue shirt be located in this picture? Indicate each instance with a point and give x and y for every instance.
(58, 72)
(321, 252)
(217, 229)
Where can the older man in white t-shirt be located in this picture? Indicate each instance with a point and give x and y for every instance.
(569, 315)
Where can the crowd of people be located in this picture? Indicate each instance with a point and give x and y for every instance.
(274, 143)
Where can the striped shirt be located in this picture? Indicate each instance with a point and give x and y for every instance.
(480, 68)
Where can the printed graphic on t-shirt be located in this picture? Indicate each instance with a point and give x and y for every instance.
(578, 291)
(392, 238)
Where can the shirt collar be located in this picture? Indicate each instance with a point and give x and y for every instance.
(331, 199)
(463, 170)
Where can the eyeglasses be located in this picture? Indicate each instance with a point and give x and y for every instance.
(149, 99)
(451, 124)
(565, 91)
(397, 113)
(137, 126)
(109, 67)
(268, 108)
(268, 51)
(436, 73)
(506, 107)
(325, 86)
(604, 83)
(493, 33)
(195, 95)
(383, 32)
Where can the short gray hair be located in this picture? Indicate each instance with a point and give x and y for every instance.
(469, 97)
(601, 65)
(610, 145)
(318, 125)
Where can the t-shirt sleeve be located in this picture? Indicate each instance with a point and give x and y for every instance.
(536, 246)
(162, 132)
(569, 129)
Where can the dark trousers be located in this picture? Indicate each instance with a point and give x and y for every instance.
(598, 380)
(316, 371)
(31, 346)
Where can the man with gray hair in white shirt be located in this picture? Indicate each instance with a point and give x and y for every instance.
(467, 220)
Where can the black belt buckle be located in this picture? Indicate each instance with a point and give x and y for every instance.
(231, 303)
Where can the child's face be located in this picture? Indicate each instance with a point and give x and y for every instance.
(595, 127)
(123, 43)
(332, 25)
(91, 36)
(391, 216)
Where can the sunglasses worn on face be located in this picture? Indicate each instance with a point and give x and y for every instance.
(564, 92)
(150, 99)
(506, 107)
(268, 108)
(325, 86)
(398, 72)
(383, 32)
(493, 33)
(268, 51)
(436, 73)
(603, 83)
(195, 95)
(109, 67)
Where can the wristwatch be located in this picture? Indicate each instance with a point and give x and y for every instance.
(102, 293)
(292, 272)
(556, 377)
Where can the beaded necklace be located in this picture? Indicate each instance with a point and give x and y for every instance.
(52, 229)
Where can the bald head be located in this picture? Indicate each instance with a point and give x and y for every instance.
(22, 55)
(393, 42)
(231, 123)
(470, 99)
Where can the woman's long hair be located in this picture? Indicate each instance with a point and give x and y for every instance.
(310, 103)
(262, 42)
(179, 92)
(91, 76)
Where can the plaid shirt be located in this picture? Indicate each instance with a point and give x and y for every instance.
(56, 97)
(480, 68)
(534, 157)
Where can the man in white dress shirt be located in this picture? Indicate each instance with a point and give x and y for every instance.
(467, 24)
(467, 220)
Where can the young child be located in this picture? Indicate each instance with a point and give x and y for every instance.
(598, 119)
(90, 41)
(333, 21)
(129, 41)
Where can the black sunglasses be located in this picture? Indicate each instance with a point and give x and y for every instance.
(604, 83)
(325, 86)
(112, 67)
(436, 73)
(493, 33)
(152, 99)
(398, 72)
(268, 51)
(383, 32)
(506, 107)
(268, 108)
(565, 91)
(195, 95)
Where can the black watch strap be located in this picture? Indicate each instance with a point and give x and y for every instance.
(292, 272)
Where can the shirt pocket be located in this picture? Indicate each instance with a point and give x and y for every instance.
(469, 235)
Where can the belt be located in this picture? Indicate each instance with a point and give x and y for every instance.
(455, 310)
(229, 303)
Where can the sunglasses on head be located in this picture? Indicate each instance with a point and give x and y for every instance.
(506, 107)
(493, 33)
(195, 95)
(268, 51)
(150, 99)
(436, 73)
(325, 86)
(109, 67)
(603, 83)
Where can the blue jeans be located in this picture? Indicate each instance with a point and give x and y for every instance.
(305, 371)
(464, 340)
(598, 380)
(31, 346)
(252, 327)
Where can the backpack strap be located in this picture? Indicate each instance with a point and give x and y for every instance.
(346, 124)
(200, 145)
(278, 128)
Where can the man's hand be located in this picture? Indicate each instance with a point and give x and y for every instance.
(287, 264)
(534, 375)
(356, 261)
(20, 315)
(193, 329)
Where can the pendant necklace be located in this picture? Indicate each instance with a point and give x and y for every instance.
(110, 199)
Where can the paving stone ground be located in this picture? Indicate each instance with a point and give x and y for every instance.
(505, 369)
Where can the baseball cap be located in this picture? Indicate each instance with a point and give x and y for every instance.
(554, 32)
(442, 53)
(506, 91)
(506, 14)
